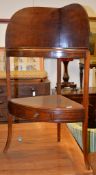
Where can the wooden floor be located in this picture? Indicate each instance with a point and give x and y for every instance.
(35, 151)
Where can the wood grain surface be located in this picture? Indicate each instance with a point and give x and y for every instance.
(38, 153)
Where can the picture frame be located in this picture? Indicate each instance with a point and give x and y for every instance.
(27, 64)
(23, 67)
(92, 22)
(92, 39)
(2, 59)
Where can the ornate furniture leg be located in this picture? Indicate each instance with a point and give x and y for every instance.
(66, 82)
(9, 137)
(66, 75)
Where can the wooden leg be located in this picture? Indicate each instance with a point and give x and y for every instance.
(9, 137)
(85, 145)
(86, 104)
(58, 132)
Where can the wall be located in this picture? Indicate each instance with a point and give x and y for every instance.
(7, 9)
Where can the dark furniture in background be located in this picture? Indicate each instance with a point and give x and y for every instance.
(54, 34)
(21, 88)
(81, 66)
(66, 82)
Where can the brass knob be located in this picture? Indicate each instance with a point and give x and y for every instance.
(36, 115)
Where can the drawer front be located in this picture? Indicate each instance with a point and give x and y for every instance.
(33, 115)
(27, 90)
(3, 100)
(41, 116)
(3, 114)
(2, 91)
(69, 116)
(3, 108)
(3, 103)
(92, 100)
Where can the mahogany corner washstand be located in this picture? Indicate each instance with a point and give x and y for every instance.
(50, 33)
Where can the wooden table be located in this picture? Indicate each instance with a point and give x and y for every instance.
(53, 108)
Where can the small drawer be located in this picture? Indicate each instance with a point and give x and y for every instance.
(33, 115)
(25, 91)
(39, 116)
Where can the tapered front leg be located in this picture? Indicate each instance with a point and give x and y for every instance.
(86, 104)
(9, 136)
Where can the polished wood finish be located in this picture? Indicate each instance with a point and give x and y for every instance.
(58, 33)
(77, 95)
(35, 151)
(21, 88)
(55, 108)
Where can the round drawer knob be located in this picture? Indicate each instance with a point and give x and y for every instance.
(36, 115)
